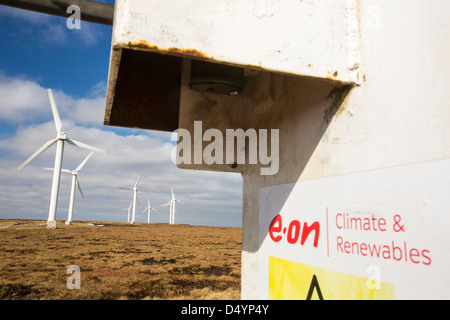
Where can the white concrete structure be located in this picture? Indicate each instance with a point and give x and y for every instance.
(352, 86)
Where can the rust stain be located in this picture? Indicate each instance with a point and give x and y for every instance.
(190, 52)
(332, 76)
(142, 44)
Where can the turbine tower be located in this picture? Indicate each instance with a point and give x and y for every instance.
(129, 208)
(61, 137)
(75, 184)
(171, 203)
(135, 190)
(149, 208)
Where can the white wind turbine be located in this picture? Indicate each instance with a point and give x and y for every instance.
(61, 137)
(75, 184)
(129, 208)
(135, 190)
(171, 203)
(149, 208)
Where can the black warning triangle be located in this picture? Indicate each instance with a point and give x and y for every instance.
(314, 284)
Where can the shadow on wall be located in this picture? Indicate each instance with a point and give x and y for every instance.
(302, 109)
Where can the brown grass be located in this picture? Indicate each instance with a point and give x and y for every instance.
(119, 261)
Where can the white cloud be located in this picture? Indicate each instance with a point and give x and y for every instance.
(89, 111)
(208, 197)
(22, 100)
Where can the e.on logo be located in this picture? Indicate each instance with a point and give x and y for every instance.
(294, 231)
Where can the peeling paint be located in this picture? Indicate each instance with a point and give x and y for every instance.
(332, 75)
(354, 37)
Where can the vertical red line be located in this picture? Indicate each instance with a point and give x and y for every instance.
(328, 239)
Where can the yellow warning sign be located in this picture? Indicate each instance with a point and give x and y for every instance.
(293, 280)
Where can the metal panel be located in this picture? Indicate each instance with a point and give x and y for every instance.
(310, 38)
(318, 39)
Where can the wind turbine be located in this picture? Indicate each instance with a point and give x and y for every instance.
(149, 208)
(135, 190)
(61, 137)
(75, 184)
(171, 203)
(129, 207)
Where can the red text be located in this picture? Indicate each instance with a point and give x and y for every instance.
(294, 231)
(392, 251)
(345, 221)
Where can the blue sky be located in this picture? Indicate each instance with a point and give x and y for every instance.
(37, 52)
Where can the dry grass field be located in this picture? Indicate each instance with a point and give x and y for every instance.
(119, 261)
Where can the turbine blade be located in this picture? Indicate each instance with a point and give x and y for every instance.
(62, 170)
(130, 188)
(84, 145)
(46, 145)
(79, 188)
(171, 190)
(84, 161)
(66, 171)
(135, 185)
(55, 111)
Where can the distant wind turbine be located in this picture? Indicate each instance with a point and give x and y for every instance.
(61, 137)
(149, 208)
(171, 203)
(75, 184)
(135, 190)
(129, 208)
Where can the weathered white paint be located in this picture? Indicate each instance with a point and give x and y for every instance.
(395, 54)
(310, 38)
(399, 114)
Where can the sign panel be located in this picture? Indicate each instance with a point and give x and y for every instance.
(284, 284)
(380, 234)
